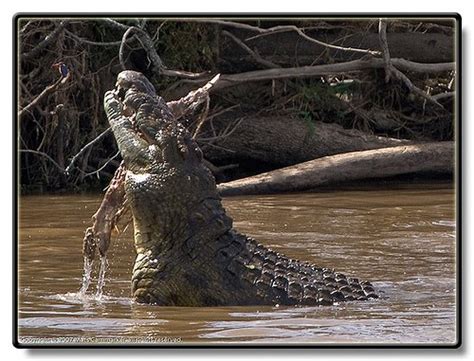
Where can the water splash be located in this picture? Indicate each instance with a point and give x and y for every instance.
(101, 280)
(86, 276)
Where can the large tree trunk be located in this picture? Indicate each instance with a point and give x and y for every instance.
(278, 141)
(427, 157)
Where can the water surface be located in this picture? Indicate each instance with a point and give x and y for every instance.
(403, 239)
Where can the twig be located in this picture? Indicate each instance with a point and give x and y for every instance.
(49, 89)
(444, 95)
(49, 39)
(252, 53)
(43, 155)
(216, 146)
(97, 171)
(407, 65)
(412, 87)
(122, 46)
(89, 42)
(84, 148)
(331, 46)
(156, 37)
(225, 133)
(220, 112)
(217, 170)
(384, 46)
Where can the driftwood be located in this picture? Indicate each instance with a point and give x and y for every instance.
(278, 141)
(427, 157)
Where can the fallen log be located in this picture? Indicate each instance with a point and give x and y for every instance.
(384, 162)
(282, 140)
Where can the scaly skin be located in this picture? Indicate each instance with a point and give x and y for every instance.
(188, 254)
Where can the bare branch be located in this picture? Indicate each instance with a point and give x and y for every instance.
(331, 46)
(49, 89)
(407, 65)
(413, 88)
(155, 59)
(49, 39)
(122, 46)
(444, 95)
(43, 155)
(220, 112)
(281, 28)
(84, 148)
(218, 170)
(225, 133)
(327, 69)
(384, 46)
(390, 70)
(115, 24)
(89, 42)
(97, 171)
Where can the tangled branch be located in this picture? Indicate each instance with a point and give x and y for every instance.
(149, 47)
(48, 90)
(391, 70)
(284, 28)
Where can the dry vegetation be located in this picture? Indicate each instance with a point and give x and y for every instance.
(393, 78)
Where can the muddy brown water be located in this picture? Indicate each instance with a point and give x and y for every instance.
(403, 239)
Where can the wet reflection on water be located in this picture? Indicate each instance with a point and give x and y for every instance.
(402, 239)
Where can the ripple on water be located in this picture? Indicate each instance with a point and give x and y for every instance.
(106, 325)
(445, 223)
(81, 298)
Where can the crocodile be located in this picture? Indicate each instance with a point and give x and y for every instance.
(188, 253)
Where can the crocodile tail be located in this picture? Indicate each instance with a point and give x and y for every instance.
(278, 279)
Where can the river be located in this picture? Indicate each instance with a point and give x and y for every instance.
(402, 238)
